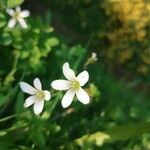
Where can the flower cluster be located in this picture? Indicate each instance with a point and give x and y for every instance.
(73, 85)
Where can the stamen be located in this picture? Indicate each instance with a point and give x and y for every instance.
(16, 15)
(75, 85)
(40, 95)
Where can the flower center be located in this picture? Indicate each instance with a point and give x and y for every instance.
(40, 95)
(16, 15)
(75, 85)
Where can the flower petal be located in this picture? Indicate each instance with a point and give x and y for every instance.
(29, 101)
(22, 23)
(82, 96)
(68, 72)
(25, 13)
(18, 9)
(83, 77)
(68, 98)
(61, 84)
(38, 107)
(37, 84)
(47, 95)
(11, 12)
(11, 23)
(25, 87)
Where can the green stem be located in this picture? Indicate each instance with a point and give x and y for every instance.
(10, 117)
(81, 58)
(55, 102)
(7, 118)
(9, 77)
(13, 128)
(89, 41)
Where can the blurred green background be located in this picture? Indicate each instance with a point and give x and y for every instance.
(118, 116)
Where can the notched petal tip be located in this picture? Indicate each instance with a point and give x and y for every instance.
(66, 64)
(37, 84)
(68, 72)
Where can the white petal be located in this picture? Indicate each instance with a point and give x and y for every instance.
(68, 72)
(37, 84)
(61, 85)
(18, 9)
(11, 12)
(24, 13)
(27, 88)
(11, 23)
(82, 96)
(38, 107)
(29, 101)
(68, 98)
(83, 77)
(22, 23)
(47, 95)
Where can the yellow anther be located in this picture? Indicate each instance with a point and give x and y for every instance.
(75, 85)
(16, 15)
(40, 95)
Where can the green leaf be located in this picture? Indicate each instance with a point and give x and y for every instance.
(2, 133)
(19, 103)
(99, 138)
(118, 133)
(51, 42)
(3, 4)
(14, 3)
(38, 137)
(94, 90)
(2, 99)
(5, 39)
(125, 132)
(2, 20)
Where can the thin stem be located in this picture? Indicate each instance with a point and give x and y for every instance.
(7, 118)
(54, 103)
(16, 127)
(9, 77)
(81, 58)
(10, 117)
(89, 41)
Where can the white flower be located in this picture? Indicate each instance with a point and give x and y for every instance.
(17, 16)
(73, 84)
(37, 95)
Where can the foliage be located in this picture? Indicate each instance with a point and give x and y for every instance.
(120, 33)
(10, 3)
